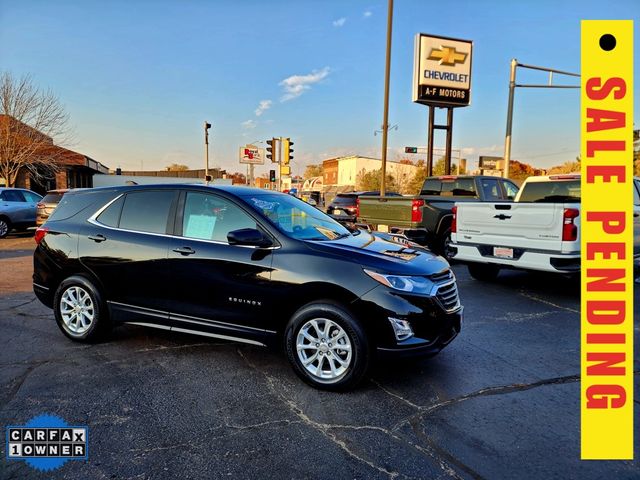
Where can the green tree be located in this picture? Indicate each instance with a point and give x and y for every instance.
(370, 180)
(312, 171)
(438, 167)
(415, 185)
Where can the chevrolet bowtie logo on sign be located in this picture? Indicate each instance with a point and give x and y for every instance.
(442, 71)
(447, 56)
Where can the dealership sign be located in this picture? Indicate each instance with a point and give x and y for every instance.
(442, 71)
(252, 154)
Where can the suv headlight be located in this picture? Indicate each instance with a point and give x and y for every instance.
(403, 283)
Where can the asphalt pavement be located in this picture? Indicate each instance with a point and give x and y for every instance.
(500, 402)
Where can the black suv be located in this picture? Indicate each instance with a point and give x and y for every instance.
(344, 207)
(242, 264)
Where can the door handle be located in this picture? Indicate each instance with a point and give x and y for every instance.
(636, 214)
(97, 238)
(184, 250)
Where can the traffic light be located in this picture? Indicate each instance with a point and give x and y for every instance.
(272, 176)
(287, 151)
(410, 149)
(271, 150)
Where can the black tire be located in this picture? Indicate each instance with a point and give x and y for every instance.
(89, 304)
(341, 321)
(444, 241)
(5, 227)
(483, 271)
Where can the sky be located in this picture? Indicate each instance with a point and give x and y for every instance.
(139, 77)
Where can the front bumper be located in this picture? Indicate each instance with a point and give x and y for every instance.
(433, 327)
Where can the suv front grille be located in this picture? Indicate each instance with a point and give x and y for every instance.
(441, 277)
(447, 290)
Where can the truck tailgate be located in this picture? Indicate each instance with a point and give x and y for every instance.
(387, 210)
(528, 225)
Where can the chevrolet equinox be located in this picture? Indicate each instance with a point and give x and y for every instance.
(246, 265)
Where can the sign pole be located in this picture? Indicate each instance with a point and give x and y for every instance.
(447, 154)
(279, 164)
(430, 141)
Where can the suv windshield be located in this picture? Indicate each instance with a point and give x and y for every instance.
(295, 218)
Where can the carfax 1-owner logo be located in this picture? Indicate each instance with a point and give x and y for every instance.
(46, 442)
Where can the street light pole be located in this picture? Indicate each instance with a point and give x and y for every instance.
(207, 126)
(385, 119)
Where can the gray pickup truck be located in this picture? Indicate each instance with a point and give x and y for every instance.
(426, 218)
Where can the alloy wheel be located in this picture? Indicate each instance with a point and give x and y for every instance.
(4, 228)
(77, 310)
(324, 349)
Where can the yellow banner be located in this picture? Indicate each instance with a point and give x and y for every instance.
(607, 240)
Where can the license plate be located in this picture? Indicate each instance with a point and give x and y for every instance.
(503, 252)
(337, 212)
(383, 228)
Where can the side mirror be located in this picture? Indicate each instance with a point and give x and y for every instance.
(248, 236)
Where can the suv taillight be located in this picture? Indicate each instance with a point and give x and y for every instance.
(357, 208)
(40, 233)
(454, 222)
(416, 210)
(569, 228)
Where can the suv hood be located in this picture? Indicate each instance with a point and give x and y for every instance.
(383, 253)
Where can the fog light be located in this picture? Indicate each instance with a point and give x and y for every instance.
(401, 329)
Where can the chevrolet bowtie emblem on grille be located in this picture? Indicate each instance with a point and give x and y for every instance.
(447, 56)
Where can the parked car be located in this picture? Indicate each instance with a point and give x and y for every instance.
(17, 209)
(426, 218)
(540, 230)
(48, 204)
(242, 264)
(344, 207)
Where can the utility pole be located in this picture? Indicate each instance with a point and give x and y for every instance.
(385, 119)
(507, 138)
(207, 126)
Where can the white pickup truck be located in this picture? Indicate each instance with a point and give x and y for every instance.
(539, 230)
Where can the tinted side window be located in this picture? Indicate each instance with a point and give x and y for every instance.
(209, 217)
(511, 189)
(636, 192)
(74, 203)
(147, 211)
(32, 197)
(12, 196)
(490, 189)
(111, 215)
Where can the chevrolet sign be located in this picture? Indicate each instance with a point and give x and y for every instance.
(442, 71)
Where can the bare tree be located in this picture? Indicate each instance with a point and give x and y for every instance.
(30, 121)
